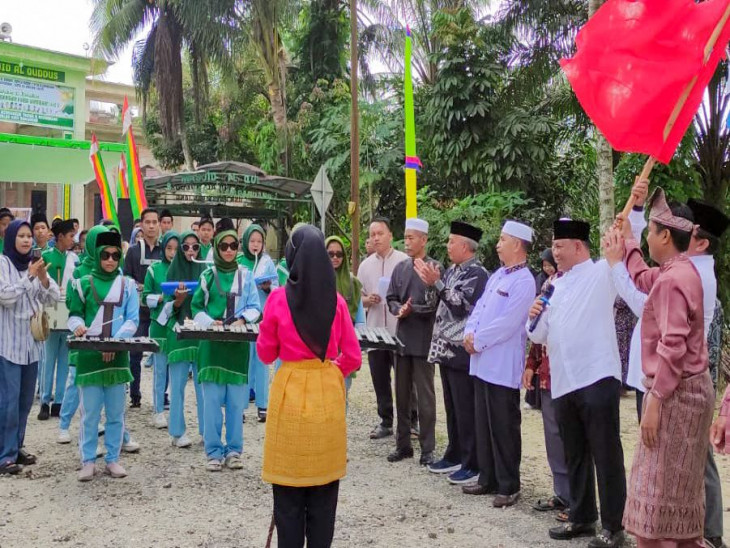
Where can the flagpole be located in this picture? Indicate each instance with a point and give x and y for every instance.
(354, 208)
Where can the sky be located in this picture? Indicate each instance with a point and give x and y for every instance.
(60, 25)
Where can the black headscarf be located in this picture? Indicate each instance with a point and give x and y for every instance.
(20, 261)
(311, 291)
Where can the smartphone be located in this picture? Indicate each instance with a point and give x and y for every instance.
(35, 255)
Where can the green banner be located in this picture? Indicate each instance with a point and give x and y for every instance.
(36, 103)
(39, 73)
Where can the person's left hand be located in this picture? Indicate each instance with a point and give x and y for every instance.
(106, 357)
(239, 321)
(613, 247)
(428, 273)
(405, 310)
(717, 434)
(650, 420)
(469, 343)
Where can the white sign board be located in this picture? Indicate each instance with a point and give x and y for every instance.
(322, 193)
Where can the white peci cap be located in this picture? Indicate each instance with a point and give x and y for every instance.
(415, 223)
(518, 230)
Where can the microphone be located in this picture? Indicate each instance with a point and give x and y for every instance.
(545, 298)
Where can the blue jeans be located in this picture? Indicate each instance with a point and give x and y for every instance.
(92, 399)
(178, 381)
(70, 400)
(258, 379)
(17, 387)
(56, 362)
(160, 380)
(233, 397)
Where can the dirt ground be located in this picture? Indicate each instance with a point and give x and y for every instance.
(170, 500)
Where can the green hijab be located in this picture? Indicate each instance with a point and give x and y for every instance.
(182, 270)
(220, 264)
(169, 235)
(347, 285)
(248, 259)
(90, 246)
(103, 280)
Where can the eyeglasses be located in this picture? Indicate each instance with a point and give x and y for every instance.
(225, 246)
(188, 247)
(337, 254)
(114, 255)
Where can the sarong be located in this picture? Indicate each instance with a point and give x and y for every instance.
(666, 490)
(306, 433)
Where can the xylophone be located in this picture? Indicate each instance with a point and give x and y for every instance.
(376, 338)
(135, 344)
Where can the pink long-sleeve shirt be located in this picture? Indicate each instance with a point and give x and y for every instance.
(673, 344)
(278, 337)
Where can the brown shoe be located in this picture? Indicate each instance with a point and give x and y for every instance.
(503, 501)
(478, 490)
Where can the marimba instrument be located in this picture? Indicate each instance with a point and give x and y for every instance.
(100, 344)
(370, 338)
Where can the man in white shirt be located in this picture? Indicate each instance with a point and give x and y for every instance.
(495, 338)
(578, 329)
(374, 274)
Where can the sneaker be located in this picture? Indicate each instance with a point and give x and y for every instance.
(115, 470)
(380, 432)
(607, 539)
(262, 415)
(87, 472)
(182, 441)
(463, 476)
(233, 461)
(130, 447)
(159, 421)
(63, 436)
(443, 467)
(214, 465)
(45, 412)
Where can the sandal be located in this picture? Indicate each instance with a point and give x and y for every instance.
(553, 503)
(563, 516)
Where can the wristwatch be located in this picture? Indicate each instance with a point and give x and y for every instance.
(439, 285)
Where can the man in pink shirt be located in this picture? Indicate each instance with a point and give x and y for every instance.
(665, 500)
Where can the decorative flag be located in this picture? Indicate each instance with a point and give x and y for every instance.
(413, 162)
(642, 66)
(108, 210)
(135, 183)
(122, 186)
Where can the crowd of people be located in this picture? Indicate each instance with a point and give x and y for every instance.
(569, 336)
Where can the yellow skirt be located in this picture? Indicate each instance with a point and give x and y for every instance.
(306, 433)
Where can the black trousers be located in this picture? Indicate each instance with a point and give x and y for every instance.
(458, 388)
(381, 363)
(590, 428)
(499, 441)
(413, 373)
(305, 512)
(135, 361)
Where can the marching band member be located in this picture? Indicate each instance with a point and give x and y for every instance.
(182, 355)
(226, 296)
(61, 262)
(25, 288)
(104, 303)
(308, 326)
(257, 261)
(153, 298)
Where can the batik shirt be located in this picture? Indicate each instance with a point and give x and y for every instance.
(463, 284)
(714, 341)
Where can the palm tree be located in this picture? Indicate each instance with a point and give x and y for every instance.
(205, 27)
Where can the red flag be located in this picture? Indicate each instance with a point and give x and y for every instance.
(642, 66)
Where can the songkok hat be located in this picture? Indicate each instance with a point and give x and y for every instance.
(568, 229)
(414, 223)
(38, 218)
(709, 218)
(518, 230)
(659, 212)
(62, 227)
(109, 239)
(466, 230)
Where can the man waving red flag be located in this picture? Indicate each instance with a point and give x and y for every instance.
(641, 68)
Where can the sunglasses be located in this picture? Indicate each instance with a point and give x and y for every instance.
(114, 255)
(188, 247)
(224, 246)
(336, 254)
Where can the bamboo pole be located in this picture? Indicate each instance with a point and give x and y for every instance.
(354, 208)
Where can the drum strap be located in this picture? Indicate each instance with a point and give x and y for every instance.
(108, 309)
